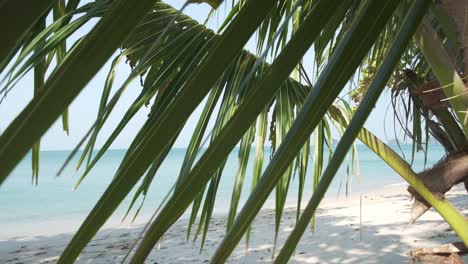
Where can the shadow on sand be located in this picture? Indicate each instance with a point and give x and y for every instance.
(338, 238)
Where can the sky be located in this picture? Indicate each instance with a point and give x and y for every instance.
(83, 110)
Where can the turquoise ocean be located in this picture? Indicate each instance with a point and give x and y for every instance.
(52, 206)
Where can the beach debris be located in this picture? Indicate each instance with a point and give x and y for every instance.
(447, 253)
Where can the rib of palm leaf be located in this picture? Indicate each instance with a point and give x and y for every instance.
(61, 51)
(227, 108)
(167, 97)
(37, 48)
(15, 21)
(169, 50)
(329, 32)
(284, 118)
(348, 56)
(49, 42)
(39, 77)
(149, 177)
(318, 159)
(55, 34)
(303, 161)
(104, 110)
(164, 100)
(76, 71)
(398, 47)
(261, 127)
(199, 131)
(223, 144)
(210, 197)
(188, 162)
(243, 158)
(184, 58)
(159, 133)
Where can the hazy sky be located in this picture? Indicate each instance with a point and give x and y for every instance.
(83, 110)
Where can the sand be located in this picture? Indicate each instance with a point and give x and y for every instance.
(380, 235)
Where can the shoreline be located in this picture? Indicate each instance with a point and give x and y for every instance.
(384, 237)
(31, 228)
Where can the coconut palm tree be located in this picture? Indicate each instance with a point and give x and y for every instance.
(414, 48)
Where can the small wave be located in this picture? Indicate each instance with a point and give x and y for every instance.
(395, 184)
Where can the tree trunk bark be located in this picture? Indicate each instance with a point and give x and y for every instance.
(448, 172)
(448, 253)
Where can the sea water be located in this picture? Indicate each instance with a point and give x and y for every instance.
(52, 206)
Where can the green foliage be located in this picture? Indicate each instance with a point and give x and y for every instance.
(18, 24)
(355, 125)
(182, 64)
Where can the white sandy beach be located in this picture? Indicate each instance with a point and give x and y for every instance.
(383, 237)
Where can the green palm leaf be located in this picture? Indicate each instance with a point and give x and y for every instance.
(359, 39)
(242, 119)
(399, 45)
(15, 21)
(180, 63)
(77, 69)
(158, 131)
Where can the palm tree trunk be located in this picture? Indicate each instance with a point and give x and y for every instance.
(451, 83)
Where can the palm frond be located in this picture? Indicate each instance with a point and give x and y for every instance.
(182, 65)
(77, 69)
(414, 16)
